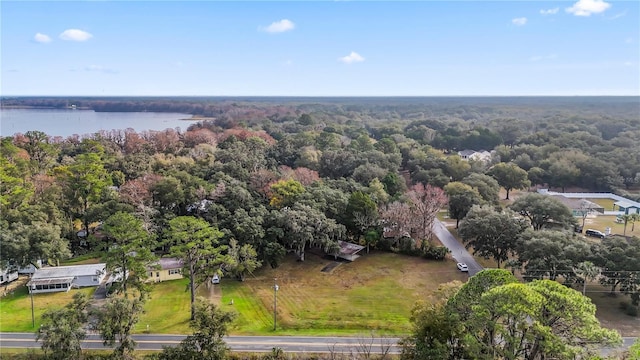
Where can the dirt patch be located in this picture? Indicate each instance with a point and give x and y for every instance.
(213, 292)
(609, 312)
(329, 267)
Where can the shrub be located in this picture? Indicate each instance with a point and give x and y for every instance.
(629, 309)
(433, 252)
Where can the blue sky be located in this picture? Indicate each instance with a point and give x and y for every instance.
(329, 48)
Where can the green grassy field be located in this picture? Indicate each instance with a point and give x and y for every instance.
(168, 309)
(90, 258)
(376, 292)
(15, 309)
(602, 222)
(607, 204)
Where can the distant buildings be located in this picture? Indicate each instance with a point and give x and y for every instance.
(482, 155)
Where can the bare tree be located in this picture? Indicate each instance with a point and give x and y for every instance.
(396, 219)
(426, 201)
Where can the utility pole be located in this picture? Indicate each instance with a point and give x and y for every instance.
(33, 318)
(275, 302)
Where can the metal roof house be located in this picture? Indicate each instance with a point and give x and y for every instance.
(63, 278)
(579, 207)
(628, 206)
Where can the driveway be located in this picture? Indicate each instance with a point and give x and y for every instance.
(458, 251)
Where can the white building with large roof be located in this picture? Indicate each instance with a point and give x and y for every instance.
(63, 278)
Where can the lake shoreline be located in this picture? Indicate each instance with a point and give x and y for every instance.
(71, 122)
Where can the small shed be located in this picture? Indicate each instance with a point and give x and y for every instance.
(63, 278)
(349, 251)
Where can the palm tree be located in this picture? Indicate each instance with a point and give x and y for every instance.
(626, 218)
(587, 271)
(634, 217)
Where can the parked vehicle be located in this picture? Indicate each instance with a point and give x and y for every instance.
(462, 267)
(595, 233)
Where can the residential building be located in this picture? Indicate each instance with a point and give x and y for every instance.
(8, 275)
(481, 155)
(165, 269)
(63, 278)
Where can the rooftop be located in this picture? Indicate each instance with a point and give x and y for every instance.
(69, 271)
(169, 263)
(627, 204)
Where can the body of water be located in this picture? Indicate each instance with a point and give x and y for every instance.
(65, 123)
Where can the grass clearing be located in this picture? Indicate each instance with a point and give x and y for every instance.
(89, 258)
(375, 292)
(607, 204)
(15, 309)
(168, 310)
(601, 222)
(609, 312)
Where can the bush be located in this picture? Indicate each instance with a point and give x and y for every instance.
(433, 252)
(385, 244)
(629, 309)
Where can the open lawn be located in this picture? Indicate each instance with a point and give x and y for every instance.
(609, 312)
(15, 309)
(602, 222)
(89, 258)
(168, 310)
(376, 292)
(607, 204)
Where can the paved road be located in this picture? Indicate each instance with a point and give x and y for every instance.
(458, 251)
(340, 345)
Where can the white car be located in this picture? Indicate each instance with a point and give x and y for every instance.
(462, 267)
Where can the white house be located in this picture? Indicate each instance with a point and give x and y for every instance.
(7, 275)
(628, 206)
(31, 268)
(63, 278)
(481, 155)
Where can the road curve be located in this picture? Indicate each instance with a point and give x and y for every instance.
(300, 344)
(458, 251)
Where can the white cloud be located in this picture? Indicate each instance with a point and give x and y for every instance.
(519, 21)
(279, 26)
(540, 58)
(628, 40)
(41, 38)
(628, 63)
(588, 7)
(75, 35)
(354, 57)
(99, 68)
(549, 11)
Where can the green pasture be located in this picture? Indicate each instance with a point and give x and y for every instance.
(607, 204)
(374, 293)
(15, 308)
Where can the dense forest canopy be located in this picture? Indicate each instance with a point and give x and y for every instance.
(282, 174)
(257, 178)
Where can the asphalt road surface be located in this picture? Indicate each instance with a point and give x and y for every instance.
(301, 344)
(458, 251)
